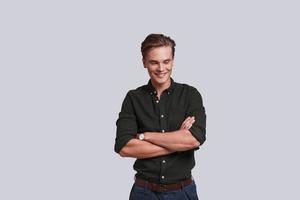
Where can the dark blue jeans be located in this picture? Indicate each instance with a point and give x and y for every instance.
(186, 193)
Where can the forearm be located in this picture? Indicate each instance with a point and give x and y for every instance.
(180, 140)
(143, 149)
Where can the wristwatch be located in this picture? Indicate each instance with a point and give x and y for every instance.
(141, 136)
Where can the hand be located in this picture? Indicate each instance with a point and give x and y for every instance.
(187, 123)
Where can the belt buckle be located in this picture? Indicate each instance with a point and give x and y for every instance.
(163, 187)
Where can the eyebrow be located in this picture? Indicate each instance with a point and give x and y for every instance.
(153, 61)
(158, 61)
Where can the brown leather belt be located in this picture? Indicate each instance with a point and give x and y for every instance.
(162, 187)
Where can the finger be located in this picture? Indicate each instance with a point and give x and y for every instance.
(189, 120)
(186, 125)
(186, 120)
(193, 118)
(183, 126)
(189, 125)
(192, 122)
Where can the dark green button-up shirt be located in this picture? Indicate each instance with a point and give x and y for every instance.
(142, 111)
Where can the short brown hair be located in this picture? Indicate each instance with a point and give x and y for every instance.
(156, 40)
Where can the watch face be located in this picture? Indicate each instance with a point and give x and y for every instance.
(141, 136)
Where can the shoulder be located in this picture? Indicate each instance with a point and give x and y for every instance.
(141, 90)
(186, 87)
(189, 91)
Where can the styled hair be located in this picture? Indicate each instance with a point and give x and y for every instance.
(156, 40)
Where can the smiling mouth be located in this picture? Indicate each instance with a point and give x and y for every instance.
(160, 75)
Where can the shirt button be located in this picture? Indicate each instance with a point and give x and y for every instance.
(162, 116)
(162, 177)
(163, 130)
(164, 161)
(157, 101)
(168, 92)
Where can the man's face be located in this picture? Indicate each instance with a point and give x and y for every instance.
(159, 63)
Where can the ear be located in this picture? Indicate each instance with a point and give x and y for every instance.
(172, 62)
(143, 60)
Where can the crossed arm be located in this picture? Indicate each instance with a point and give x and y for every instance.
(158, 144)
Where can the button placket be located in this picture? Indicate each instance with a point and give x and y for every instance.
(163, 167)
(163, 125)
(162, 113)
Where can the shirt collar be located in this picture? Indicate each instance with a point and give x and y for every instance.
(169, 90)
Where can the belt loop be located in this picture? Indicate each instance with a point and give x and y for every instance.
(182, 186)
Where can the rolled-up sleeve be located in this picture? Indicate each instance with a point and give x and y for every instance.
(197, 110)
(126, 124)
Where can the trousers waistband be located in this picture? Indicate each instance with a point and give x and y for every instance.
(162, 187)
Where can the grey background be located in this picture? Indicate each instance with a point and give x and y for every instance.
(67, 65)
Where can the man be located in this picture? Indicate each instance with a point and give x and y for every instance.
(161, 124)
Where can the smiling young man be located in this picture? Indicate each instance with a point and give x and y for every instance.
(161, 124)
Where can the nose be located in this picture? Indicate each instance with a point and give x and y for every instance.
(161, 67)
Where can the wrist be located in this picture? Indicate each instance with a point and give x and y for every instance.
(147, 136)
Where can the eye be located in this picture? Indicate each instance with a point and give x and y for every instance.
(166, 61)
(153, 63)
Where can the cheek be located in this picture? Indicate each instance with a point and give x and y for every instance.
(170, 67)
(151, 73)
(149, 69)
